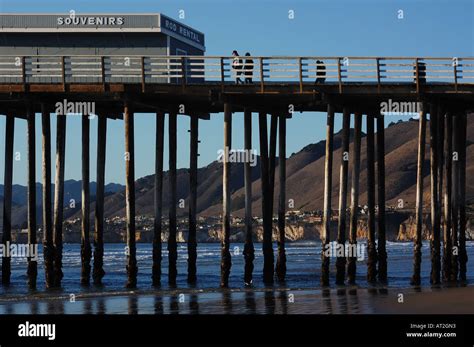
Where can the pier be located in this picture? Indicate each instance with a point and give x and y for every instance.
(354, 87)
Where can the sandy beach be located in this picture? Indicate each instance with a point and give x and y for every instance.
(350, 300)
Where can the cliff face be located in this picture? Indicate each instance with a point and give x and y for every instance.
(407, 230)
(292, 233)
(305, 231)
(399, 227)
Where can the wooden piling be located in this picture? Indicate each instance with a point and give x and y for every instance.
(131, 253)
(85, 207)
(226, 261)
(416, 278)
(7, 196)
(371, 250)
(435, 237)
(440, 151)
(59, 199)
(272, 163)
(263, 141)
(173, 200)
(268, 257)
(265, 182)
(455, 196)
(448, 150)
(48, 246)
(193, 172)
(281, 260)
(249, 250)
(98, 268)
(351, 265)
(343, 177)
(32, 271)
(326, 235)
(462, 198)
(382, 239)
(158, 199)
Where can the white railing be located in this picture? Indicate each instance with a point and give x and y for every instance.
(261, 70)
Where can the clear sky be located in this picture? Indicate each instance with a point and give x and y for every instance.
(320, 28)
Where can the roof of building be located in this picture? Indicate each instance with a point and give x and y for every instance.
(100, 23)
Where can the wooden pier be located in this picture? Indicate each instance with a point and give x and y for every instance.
(205, 85)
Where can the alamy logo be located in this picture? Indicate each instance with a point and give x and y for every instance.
(77, 107)
(13, 250)
(37, 330)
(237, 156)
(335, 249)
(397, 108)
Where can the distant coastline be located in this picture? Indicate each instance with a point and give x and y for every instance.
(400, 226)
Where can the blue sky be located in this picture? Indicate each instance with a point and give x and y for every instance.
(320, 28)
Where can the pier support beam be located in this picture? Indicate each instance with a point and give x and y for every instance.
(173, 199)
(7, 196)
(193, 182)
(271, 168)
(48, 245)
(381, 241)
(462, 198)
(158, 197)
(435, 237)
(132, 269)
(440, 149)
(326, 235)
(448, 154)
(343, 177)
(455, 196)
(226, 261)
(351, 266)
(281, 260)
(267, 206)
(32, 271)
(268, 256)
(371, 250)
(85, 208)
(416, 278)
(59, 199)
(249, 250)
(98, 270)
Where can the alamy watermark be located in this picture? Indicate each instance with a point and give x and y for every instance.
(28, 329)
(237, 156)
(400, 108)
(20, 250)
(350, 250)
(75, 107)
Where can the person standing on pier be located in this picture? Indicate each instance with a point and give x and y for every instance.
(320, 72)
(237, 66)
(248, 69)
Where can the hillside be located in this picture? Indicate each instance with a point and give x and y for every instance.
(305, 180)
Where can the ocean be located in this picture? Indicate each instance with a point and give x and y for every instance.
(303, 272)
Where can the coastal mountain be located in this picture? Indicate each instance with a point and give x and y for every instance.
(72, 191)
(305, 173)
(305, 180)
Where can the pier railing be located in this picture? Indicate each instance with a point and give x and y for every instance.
(188, 70)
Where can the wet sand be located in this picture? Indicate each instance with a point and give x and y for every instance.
(347, 300)
(458, 300)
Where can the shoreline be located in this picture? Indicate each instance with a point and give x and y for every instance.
(339, 300)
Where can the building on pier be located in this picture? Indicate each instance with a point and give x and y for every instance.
(84, 37)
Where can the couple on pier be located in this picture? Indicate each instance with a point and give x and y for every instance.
(238, 65)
